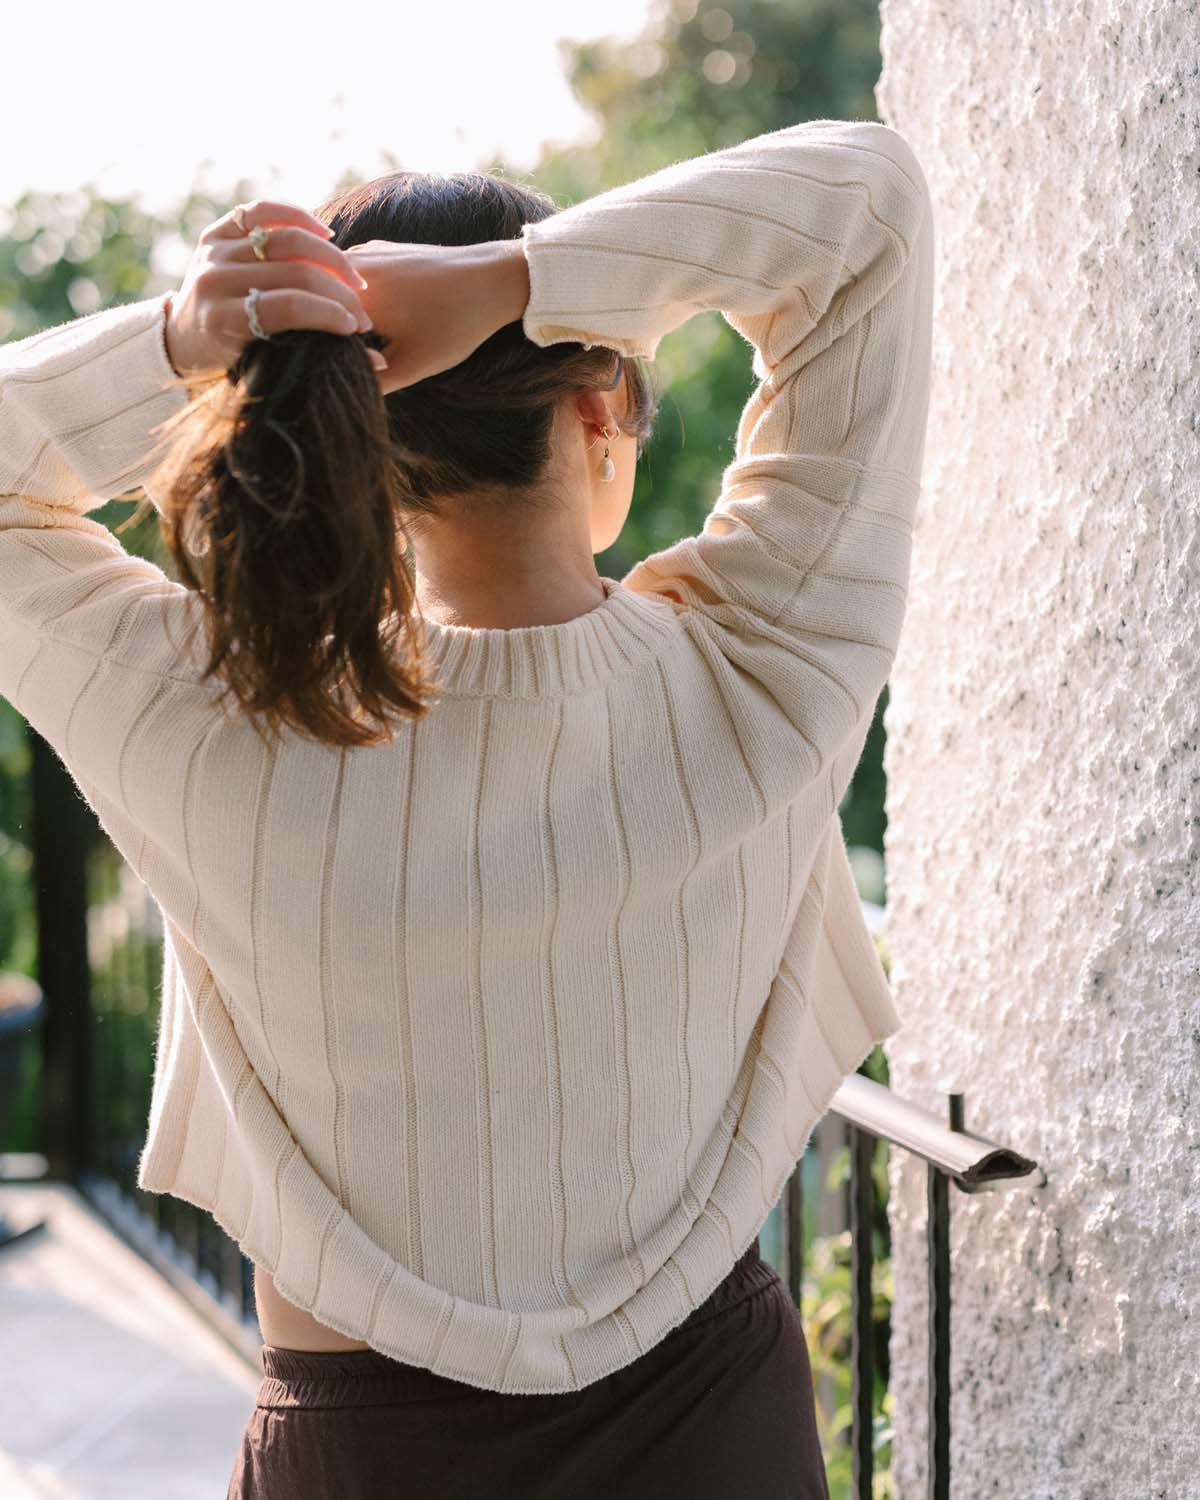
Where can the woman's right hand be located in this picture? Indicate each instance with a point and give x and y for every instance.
(305, 281)
(435, 304)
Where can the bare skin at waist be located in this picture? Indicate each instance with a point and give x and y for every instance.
(283, 1325)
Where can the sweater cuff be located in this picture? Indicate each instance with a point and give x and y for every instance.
(560, 279)
(82, 403)
(145, 364)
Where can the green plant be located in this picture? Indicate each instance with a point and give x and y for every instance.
(825, 1308)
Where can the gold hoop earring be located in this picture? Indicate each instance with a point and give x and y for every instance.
(608, 469)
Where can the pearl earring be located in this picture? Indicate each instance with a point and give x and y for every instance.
(608, 469)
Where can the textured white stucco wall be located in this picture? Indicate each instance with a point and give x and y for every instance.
(1043, 848)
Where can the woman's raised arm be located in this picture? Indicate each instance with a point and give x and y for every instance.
(815, 243)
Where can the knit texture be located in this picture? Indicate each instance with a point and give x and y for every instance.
(496, 1045)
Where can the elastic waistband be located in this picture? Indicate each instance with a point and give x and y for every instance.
(365, 1377)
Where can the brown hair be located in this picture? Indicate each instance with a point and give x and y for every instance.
(283, 492)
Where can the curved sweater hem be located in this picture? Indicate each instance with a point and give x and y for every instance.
(809, 1036)
(404, 1352)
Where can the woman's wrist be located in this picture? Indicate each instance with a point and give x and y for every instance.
(513, 274)
(504, 274)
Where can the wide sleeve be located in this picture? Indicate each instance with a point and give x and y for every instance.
(815, 243)
(90, 635)
(80, 408)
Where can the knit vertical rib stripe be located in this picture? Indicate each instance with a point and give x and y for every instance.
(415, 1256)
(246, 1076)
(630, 1332)
(862, 338)
(552, 1040)
(377, 1294)
(328, 995)
(258, 825)
(189, 794)
(69, 752)
(185, 1090)
(714, 1211)
(739, 927)
(282, 1163)
(215, 1189)
(617, 973)
(331, 1218)
(508, 1350)
(156, 696)
(791, 867)
(567, 1360)
(767, 1064)
(19, 693)
(483, 1094)
(681, 940)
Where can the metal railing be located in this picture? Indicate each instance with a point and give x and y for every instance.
(101, 944)
(952, 1154)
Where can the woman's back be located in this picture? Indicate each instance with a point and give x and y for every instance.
(542, 925)
(498, 1043)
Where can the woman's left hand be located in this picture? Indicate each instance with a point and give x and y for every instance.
(305, 282)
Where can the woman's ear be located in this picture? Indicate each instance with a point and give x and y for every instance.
(592, 408)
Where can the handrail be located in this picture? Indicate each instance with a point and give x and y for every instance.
(951, 1154)
(972, 1161)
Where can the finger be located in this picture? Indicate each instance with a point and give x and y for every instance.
(235, 278)
(265, 212)
(287, 307)
(293, 243)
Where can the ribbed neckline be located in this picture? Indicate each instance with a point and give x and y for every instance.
(542, 661)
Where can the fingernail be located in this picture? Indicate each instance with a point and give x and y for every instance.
(364, 322)
(362, 281)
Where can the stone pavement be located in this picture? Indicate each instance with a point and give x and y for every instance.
(112, 1387)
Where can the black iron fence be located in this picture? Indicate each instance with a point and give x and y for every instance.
(875, 1115)
(100, 941)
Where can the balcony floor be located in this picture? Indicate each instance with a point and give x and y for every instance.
(112, 1387)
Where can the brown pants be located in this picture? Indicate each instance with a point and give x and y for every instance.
(721, 1407)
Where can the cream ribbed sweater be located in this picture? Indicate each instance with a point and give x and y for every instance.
(497, 1045)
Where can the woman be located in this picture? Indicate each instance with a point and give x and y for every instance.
(511, 948)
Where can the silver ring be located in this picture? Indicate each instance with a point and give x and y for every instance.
(250, 303)
(239, 217)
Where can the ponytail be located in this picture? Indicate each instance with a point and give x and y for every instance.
(281, 506)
